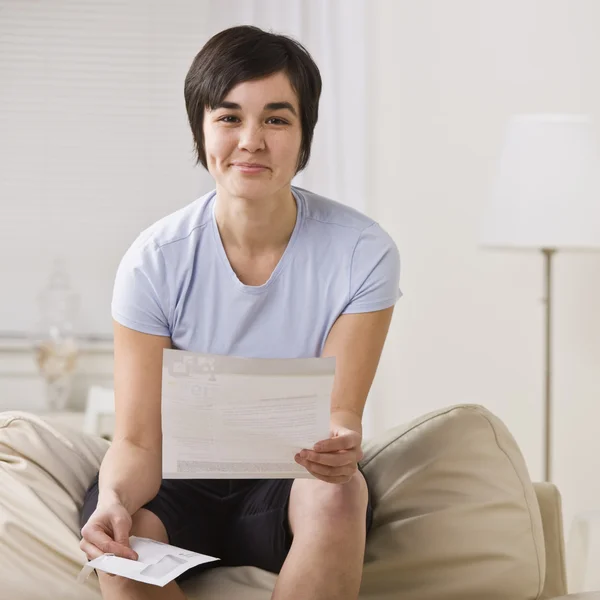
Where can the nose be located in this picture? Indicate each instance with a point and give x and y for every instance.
(251, 138)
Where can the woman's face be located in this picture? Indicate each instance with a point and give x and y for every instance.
(252, 140)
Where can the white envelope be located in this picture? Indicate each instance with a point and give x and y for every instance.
(157, 564)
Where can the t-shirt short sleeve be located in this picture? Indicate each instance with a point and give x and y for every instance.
(140, 298)
(375, 272)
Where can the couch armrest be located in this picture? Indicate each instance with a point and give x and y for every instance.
(583, 555)
(550, 503)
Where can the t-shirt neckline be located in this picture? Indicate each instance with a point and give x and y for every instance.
(286, 257)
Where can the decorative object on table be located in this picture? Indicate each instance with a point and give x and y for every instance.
(55, 344)
(546, 198)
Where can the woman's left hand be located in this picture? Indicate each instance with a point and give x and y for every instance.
(335, 460)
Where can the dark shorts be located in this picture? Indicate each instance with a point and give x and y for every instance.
(240, 521)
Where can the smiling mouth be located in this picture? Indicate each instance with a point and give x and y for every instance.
(249, 167)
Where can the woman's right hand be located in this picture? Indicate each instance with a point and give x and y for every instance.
(107, 532)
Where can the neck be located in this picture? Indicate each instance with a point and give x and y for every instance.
(255, 225)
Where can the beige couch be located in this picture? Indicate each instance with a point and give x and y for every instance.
(456, 515)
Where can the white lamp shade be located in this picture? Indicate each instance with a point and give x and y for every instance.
(546, 192)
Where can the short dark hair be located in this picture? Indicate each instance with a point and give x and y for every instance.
(244, 53)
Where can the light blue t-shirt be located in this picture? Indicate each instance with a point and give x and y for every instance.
(175, 280)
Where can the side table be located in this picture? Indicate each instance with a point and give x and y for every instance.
(72, 419)
(583, 596)
(88, 422)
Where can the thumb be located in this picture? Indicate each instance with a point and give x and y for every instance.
(121, 532)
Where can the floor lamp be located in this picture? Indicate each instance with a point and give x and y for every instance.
(546, 197)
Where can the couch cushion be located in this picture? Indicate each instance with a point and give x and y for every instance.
(44, 472)
(456, 515)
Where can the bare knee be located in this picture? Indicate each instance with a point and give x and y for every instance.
(147, 524)
(317, 502)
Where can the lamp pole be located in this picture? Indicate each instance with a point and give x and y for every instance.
(548, 254)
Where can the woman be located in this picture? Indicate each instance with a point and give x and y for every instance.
(257, 268)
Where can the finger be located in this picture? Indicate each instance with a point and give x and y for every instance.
(317, 469)
(334, 480)
(121, 529)
(90, 550)
(342, 442)
(337, 459)
(106, 544)
(97, 537)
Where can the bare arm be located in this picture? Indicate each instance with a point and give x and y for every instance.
(356, 341)
(131, 470)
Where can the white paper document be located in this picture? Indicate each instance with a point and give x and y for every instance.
(157, 563)
(231, 417)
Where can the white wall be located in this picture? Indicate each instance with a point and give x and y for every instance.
(445, 76)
